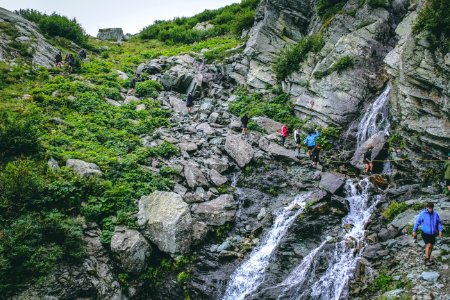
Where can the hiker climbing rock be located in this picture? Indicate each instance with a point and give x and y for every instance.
(58, 60)
(132, 86)
(315, 155)
(367, 160)
(310, 141)
(447, 172)
(189, 102)
(430, 224)
(284, 134)
(244, 121)
(297, 139)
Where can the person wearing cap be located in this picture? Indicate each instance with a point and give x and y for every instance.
(447, 172)
(430, 224)
(367, 160)
(315, 155)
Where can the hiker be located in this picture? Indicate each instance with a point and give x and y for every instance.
(297, 139)
(367, 160)
(132, 86)
(244, 121)
(315, 155)
(429, 221)
(189, 102)
(284, 134)
(70, 61)
(447, 172)
(58, 59)
(82, 54)
(310, 141)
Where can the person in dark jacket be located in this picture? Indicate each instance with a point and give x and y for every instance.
(132, 86)
(189, 102)
(58, 59)
(82, 54)
(367, 160)
(244, 121)
(315, 155)
(430, 224)
(70, 62)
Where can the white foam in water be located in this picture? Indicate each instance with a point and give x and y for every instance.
(375, 118)
(249, 276)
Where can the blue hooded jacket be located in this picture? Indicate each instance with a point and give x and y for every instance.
(311, 139)
(429, 222)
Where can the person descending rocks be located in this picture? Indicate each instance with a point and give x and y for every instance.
(189, 102)
(315, 155)
(82, 54)
(310, 141)
(297, 139)
(132, 86)
(447, 172)
(284, 134)
(70, 62)
(58, 59)
(430, 224)
(367, 160)
(244, 121)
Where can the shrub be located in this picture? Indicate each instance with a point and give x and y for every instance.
(165, 149)
(393, 210)
(341, 64)
(148, 88)
(288, 61)
(379, 3)
(328, 8)
(434, 19)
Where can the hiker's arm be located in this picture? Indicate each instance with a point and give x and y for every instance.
(317, 133)
(416, 225)
(440, 227)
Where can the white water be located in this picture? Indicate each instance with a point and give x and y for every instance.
(249, 276)
(334, 282)
(375, 119)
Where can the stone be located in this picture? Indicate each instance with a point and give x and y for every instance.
(269, 125)
(262, 214)
(194, 176)
(430, 276)
(226, 245)
(388, 233)
(370, 251)
(140, 107)
(205, 128)
(113, 102)
(83, 168)
(178, 105)
(131, 249)
(213, 117)
(216, 212)
(122, 75)
(407, 217)
(278, 151)
(52, 164)
(110, 34)
(188, 147)
(394, 294)
(131, 99)
(331, 182)
(216, 178)
(165, 220)
(220, 165)
(199, 232)
(241, 151)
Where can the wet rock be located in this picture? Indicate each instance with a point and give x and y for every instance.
(378, 141)
(194, 176)
(131, 249)
(166, 221)
(216, 212)
(331, 182)
(239, 150)
(83, 168)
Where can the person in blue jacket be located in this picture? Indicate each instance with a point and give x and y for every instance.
(310, 141)
(430, 224)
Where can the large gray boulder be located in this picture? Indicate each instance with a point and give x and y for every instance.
(241, 151)
(216, 212)
(131, 249)
(216, 178)
(110, 34)
(166, 221)
(218, 164)
(378, 141)
(277, 151)
(331, 182)
(194, 176)
(83, 168)
(269, 125)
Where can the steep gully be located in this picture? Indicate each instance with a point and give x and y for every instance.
(304, 281)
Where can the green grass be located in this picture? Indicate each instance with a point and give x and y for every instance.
(340, 65)
(393, 210)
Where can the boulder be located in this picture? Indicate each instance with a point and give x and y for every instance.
(430, 276)
(122, 75)
(188, 147)
(277, 151)
(110, 34)
(216, 212)
(205, 128)
(241, 151)
(83, 168)
(199, 232)
(131, 249)
(370, 251)
(194, 176)
(331, 182)
(378, 141)
(178, 105)
(220, 165)
(269, 125)
(131, 99)
(387, 233)
(216, 178)
(166, 221)
(407, 217)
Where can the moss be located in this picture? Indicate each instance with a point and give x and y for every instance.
(340, 65)
(393, 210)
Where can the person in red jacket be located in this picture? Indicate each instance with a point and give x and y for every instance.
(284, 134)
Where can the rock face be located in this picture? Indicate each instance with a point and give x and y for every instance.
(239, 150)
(166, 221)
(83, 168)
(131, 249)
(27, 34)
(110, 34)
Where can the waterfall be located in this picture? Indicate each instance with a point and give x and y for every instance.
(248, 277)
(375, 119)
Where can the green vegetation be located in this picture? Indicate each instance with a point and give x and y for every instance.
(379, 3)
(22, 48)
(340, 65)
(393, 210)
(328, 135)
(328, 8)
(288, 61)
(434, 19)
(55, 25)
(148, 88)
(232, 19)
(384, 282)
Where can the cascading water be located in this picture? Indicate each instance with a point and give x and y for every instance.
(333, 283)
(375, 119)
(248, 277)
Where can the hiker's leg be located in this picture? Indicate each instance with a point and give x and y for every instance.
(428, 248)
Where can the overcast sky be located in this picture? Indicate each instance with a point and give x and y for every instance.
(130, 15)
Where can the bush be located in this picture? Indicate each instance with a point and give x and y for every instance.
(379, 3)
(341, 64)
(165, 149)
(393, 210)
(288, 61)
(328, 8)
(434, 18)
(148, 88)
